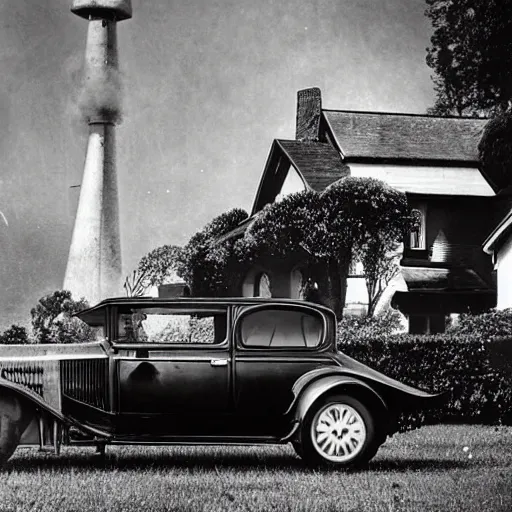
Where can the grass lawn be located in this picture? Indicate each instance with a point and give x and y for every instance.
(440, 468)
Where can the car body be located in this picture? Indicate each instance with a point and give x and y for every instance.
(202, 371)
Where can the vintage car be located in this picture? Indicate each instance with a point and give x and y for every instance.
(202, 371)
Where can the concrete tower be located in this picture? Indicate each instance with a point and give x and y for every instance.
(94, 265)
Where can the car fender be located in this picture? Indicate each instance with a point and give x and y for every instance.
(309, 390)
(28, 396)
(38, 403)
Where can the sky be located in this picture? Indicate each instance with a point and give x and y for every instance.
(207, 86)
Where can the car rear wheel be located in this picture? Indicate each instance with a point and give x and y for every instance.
(12, 425)
(339, 431)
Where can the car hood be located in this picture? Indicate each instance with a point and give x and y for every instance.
(53, 351)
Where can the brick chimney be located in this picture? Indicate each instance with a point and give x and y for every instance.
(309, 110)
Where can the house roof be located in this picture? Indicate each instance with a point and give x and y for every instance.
(318, 163)
(435, 278)
(374, 135)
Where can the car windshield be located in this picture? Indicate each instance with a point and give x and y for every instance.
(172, 325)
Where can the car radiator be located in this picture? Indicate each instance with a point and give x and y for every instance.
(86, 381)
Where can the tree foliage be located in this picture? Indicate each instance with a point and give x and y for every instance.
(53, 321)
(297, 229)
(15, 335)
(293, 225)
(495, 150)
(471, 55)
(211, 267)
(157, 267)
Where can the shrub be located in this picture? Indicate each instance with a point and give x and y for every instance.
(457, 363)
(492, 323)
(15, 335)
(355, 329)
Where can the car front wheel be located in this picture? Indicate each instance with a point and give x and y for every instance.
(339, 431)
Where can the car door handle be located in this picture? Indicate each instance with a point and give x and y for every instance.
(219, 362)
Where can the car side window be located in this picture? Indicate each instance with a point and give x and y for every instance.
(281, 328)
(161, 325)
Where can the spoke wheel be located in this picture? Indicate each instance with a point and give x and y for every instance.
(339, 431)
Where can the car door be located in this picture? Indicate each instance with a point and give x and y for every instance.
(275, 345)
(179, 365)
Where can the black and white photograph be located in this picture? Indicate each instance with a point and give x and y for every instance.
(256, 255)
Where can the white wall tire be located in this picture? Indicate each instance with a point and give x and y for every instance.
(339, 431)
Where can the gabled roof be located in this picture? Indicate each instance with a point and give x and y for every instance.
(385, 136)
(318, 163)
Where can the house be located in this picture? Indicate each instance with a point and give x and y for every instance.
(499, 246)
(434, 160)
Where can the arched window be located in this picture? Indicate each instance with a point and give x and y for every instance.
(296, 285)
(262, 286)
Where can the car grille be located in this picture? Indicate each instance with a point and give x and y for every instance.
(28, 375)
(86, 381)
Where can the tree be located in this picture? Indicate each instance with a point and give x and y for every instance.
(372, 218)
(355, 217)
(210, 267)
(295, 229)
(157, 267)
(495, 150)
(15, 335)
(471, 55)
(52, 320)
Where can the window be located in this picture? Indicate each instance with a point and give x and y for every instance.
(297, 287)
(262, 286)
(417, 235)
(278, 328)
(166, 325)
(96, 333)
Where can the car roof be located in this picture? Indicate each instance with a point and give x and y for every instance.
(94, 316)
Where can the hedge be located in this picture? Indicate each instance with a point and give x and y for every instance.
(459, 363)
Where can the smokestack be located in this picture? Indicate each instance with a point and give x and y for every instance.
(94, 264)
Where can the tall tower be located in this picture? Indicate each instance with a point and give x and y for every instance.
(94, 264)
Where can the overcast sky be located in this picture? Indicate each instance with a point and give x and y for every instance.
(208, 85)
